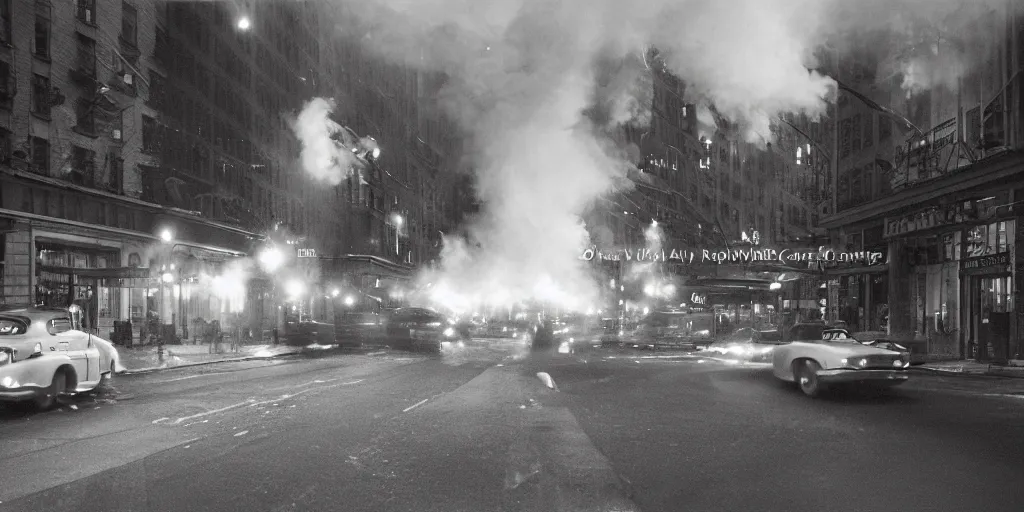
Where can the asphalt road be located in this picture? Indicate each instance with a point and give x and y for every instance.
(475, 429)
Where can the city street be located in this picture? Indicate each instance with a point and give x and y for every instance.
(475, 429)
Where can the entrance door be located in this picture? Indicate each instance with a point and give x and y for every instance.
(990, 316)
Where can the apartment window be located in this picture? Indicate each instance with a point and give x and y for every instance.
(7, 85)
(5, 147)
(41, 43)
(40, 155)
(85, 10)
(157, 90)
(116, 181)
(41, 96)
(129, 24)
(5, 21)
(86, 55)
(83, 166)
(85, 116)
(150, 143)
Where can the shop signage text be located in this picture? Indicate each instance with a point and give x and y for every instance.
(307, 253)
(943, 216)
(699, 299)
(996, 260)
(748, 255)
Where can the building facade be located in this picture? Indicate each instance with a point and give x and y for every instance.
(937, 187)
(76, 224)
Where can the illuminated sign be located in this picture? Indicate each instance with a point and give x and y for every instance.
(733, 256)
(697, 298)
(996, 260)
(307, 253)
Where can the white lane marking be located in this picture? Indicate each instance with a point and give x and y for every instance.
(1005, 395)
(242, 433)
(254, 403)
(165, 418)
(415, 405)
(207, 413)
(187, 377)
(380, 352)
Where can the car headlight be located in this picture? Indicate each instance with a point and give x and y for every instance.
(856, 363)
(563, 348)
(37, 350)
(899, 363)
(449, 332)
(9, 382)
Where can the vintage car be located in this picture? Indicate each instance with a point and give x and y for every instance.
(44, 353)
(835, 357)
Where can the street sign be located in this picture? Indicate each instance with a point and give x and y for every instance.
(307, 253)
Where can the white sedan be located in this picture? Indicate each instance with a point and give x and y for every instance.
(43, 354)
(837, 358)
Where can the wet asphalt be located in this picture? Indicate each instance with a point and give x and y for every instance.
(475, 429)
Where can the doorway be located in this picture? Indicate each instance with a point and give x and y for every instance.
(991, 304)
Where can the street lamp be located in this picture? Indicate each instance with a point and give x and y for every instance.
(295, 288)
(271, 259)
(244, 23)
(397, 220)
(167, 236)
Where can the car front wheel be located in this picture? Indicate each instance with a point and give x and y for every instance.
(807, 378)
(48, 398)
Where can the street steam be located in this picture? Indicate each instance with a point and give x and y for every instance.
(325, 155)
(529, 85)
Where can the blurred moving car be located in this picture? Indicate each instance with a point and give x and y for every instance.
(45, 354)
(834, 357)
(748, 344)
(420, 328)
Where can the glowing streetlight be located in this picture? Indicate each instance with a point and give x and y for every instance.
(335, 292)
(397, 220)
(376, 153)
(349, 300)
(167, 277)
(775, 286)
(271, 259)
(167, 235)
(244, 23)
(295, 288)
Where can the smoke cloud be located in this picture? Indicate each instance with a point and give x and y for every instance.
(326, 146)
(530, 84)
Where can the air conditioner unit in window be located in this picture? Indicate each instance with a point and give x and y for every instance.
(116, 135)
(128, 78)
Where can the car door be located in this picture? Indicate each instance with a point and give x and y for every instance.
(78, 347)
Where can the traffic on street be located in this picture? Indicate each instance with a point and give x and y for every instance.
(607, 429)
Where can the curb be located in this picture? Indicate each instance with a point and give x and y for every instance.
(237, 359)
(985, 374)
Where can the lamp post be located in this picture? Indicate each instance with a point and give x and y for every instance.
(166, 278)
(271, 258)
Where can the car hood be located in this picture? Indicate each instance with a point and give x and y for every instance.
(853, 349)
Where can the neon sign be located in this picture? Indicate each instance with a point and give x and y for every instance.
(732, 256)
(697, 298)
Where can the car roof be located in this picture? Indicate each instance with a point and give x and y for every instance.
(33, 313)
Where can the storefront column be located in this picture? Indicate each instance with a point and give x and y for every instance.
(901, 307)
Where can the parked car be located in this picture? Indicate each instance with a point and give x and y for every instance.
(420, 328)
(44, 354)
(835, 357)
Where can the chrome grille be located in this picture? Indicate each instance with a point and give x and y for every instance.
(6, 355)
(880, 361)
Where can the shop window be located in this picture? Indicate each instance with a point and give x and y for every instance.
(991, 238)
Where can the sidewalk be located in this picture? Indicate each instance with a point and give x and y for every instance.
(972, 368)
(146, 358)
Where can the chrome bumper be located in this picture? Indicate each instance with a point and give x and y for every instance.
(19, 394)
(850, 375)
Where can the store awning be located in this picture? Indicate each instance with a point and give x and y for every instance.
(101, 273)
